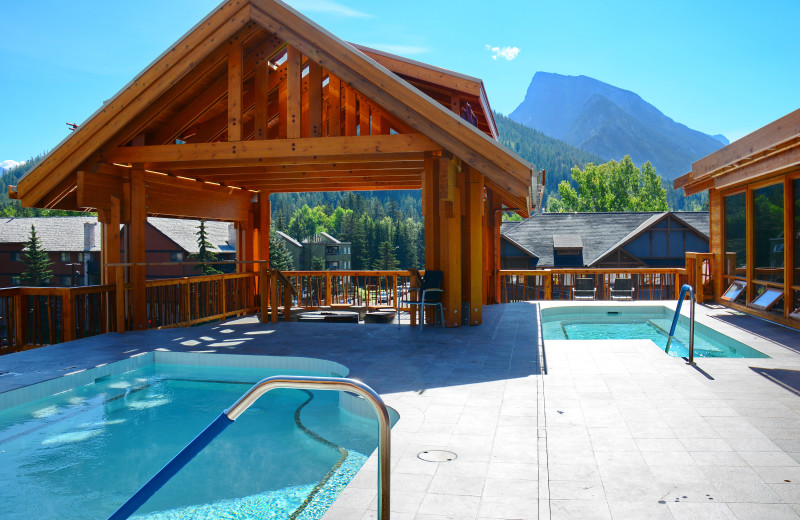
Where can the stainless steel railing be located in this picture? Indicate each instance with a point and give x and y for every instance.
(251, 396)
(684, 289)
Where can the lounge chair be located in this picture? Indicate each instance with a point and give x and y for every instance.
(584, 289)
(429, 293)
(622, 290)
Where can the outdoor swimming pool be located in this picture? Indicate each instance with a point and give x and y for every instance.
(83, 452)
(642, 322)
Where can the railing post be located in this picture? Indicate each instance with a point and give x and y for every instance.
(396, 290)
(19, 322)
(263, 291)
(548, 284)
(287, 303)
(120, 297)
(67, 315)
(328, 297)
(273, 295)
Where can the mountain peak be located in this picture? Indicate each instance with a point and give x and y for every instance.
(611, 122)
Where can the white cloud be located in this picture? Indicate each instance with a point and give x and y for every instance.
(9, 163)
(327, 7)
(509, 53)
(402, 50)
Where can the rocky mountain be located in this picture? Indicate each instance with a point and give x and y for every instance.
(611, 122)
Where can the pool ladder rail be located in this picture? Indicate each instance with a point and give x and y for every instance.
(684, 289)
(239, 407)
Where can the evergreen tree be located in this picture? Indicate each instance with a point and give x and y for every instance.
(279, 256)
(317, 264)
(386, 260)
(205, 253)
(37, 263)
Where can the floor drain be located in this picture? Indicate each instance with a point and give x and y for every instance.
(437, 456)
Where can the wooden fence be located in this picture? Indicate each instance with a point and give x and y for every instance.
(37, 316)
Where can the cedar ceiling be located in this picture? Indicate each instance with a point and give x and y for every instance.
(258, 98)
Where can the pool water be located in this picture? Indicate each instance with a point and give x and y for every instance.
(645, 322)
(83, 452)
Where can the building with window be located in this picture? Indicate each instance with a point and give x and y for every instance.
(334, 253)
(603, 240)
(754, 200)
(73, 244)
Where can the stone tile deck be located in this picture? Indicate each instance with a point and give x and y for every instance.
(613, 429)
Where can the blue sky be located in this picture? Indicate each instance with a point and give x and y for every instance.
(718, 67)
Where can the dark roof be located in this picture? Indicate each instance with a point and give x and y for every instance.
(599, 232)
(57, 234)
(184, 233)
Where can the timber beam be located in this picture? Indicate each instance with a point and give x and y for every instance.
(254, 153)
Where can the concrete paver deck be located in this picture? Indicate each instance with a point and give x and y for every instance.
(613, 429)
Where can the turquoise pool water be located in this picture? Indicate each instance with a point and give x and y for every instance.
(80, 454)
(645, 322)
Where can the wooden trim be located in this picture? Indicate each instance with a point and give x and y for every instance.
(254, 153)
(294, 101)
(235, 91)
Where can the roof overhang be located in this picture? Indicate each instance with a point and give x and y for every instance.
(771, 150)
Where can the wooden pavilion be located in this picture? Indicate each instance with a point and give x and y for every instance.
(257, 99)
(754, 201)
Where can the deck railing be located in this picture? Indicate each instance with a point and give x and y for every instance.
(37, 316)
(557, 284)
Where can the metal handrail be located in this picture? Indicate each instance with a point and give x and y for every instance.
(243, 403)
(684, 289)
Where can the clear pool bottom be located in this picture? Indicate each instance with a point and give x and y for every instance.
(83, 452)
(643, 322)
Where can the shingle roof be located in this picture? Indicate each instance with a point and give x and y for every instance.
(184, 233)
(55, 233)
(67, 233)
(600, 232)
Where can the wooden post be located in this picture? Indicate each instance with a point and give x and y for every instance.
(430, 212)
(294, 86)
(263, 290)
(450, 239)
(120, 297)
(334, 106)
(314, 99)
(137, 251)
(67, 315)
(788, 246)
(273, 295)
(349, 111)
(235, 122)
(328, 295)
(548, 284)
(261, 111)
(749, 240)
(472, 248)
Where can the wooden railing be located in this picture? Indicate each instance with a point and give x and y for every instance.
(183, 302)
(371, 288)
(36, 316)
(557, 284)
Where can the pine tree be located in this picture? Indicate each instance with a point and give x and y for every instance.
(205, 253)
(37, 263)
(317, 264)
(279, 256)
(386, 260)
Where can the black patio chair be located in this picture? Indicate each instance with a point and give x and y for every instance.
(429, 294)
(622, 290)
(584, 289)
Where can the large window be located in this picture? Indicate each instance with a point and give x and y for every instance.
(735, 235)
(768, 238)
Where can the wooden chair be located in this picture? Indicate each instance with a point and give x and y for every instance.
(584, 289)
(429, 294)
(622, 290)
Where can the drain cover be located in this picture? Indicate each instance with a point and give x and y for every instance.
(437, 456)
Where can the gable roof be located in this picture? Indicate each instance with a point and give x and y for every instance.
(56, 234)
(52, 182)
(601, 233)
(184, 233)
